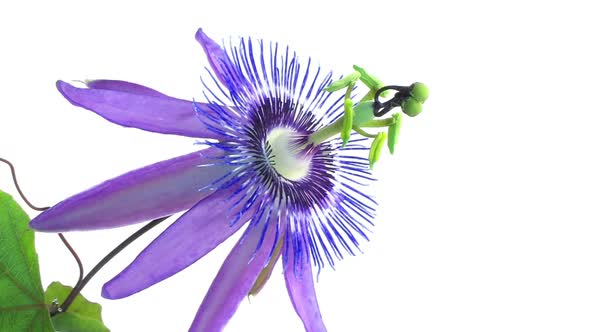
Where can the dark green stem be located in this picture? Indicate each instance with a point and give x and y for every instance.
(82, 281)
(61, 236)
(68, 301)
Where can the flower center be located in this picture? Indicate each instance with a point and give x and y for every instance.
(285, 156)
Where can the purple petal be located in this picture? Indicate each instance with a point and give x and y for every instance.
(302, 292)
(235, 278)
(191, 237)
(123, 86)
(226, 71)
(129, 106)
(150, 192)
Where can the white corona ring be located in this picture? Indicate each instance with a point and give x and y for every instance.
(286, 157)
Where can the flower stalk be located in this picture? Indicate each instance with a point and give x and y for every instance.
(82, 281)
(72, 296)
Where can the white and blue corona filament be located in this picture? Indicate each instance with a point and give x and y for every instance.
(265, 120)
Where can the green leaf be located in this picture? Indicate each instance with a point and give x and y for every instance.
(22, 306)
(81, 316)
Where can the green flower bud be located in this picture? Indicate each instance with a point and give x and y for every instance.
(419, 91)
(411, 106)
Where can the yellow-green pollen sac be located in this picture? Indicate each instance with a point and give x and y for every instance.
(285, 155)
(363, 114)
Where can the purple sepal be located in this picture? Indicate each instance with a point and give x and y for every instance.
(300, 285)
(147, 193)
(191, 237)
(131, 105)
(235, 278)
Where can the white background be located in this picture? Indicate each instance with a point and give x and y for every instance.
(483, 223)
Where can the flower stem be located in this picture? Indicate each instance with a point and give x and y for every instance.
(363, 133)
(379, 123)
(20, 192)
(327, 132)
(68, 301)
(76, 257)
(61, 236)
(82, 281)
